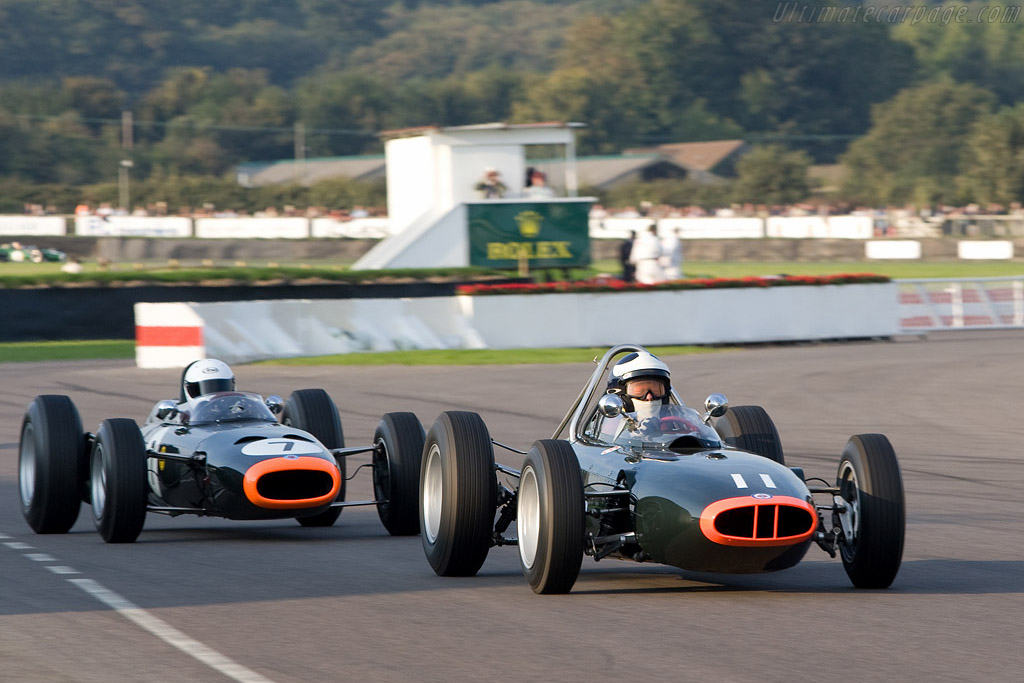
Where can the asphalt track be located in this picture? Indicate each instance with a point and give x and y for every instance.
(278, 602)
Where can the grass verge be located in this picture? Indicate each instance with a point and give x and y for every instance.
(477, 356)
(24, 352)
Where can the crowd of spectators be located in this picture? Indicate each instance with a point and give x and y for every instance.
(649, 210)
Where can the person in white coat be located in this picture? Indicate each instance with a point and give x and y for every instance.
(646, 256)
(672, 255)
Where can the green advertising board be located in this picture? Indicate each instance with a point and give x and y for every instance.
(508, 235)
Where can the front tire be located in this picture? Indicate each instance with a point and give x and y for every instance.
(396, 472)
(550, 517)
(118, 481)
(313, 411)
(750, 429)
(871, 488)
(52, 464)
(458, 494)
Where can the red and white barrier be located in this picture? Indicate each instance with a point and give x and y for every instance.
(167, 335)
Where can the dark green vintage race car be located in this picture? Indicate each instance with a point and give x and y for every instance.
(674, 488)
(14, 251)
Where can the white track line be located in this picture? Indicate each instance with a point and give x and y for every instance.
(169, 634)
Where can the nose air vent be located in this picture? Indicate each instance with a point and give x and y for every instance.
(748, 521)
(289, 485)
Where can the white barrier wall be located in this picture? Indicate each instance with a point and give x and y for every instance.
(741, 227)
(253, 330)
(892, 249)
(362, 228)
(133, 226)
(252, 228)
(33, 225)
(984, 249)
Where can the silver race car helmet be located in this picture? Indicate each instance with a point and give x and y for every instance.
(640, 376)
(206, 377)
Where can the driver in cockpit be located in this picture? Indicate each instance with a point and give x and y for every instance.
(204, 377)
(643, 382)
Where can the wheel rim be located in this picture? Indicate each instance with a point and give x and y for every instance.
(27, 466)
(433, 492)
(528, 517)
(98, 480)
(849, 520)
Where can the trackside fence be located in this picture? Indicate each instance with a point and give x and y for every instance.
(961, 304)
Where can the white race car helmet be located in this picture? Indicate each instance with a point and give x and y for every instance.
(632, 369)
(206, 377)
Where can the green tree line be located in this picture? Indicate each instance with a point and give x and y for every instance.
(931, 106)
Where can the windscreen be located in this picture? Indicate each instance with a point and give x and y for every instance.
(661, 429)
(231, 406)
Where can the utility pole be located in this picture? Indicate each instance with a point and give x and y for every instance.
(123, 168)
(300, 151)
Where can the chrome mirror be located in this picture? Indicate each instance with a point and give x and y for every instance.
(275, 403)
(610, 405)
(715, 405)
(166, 409)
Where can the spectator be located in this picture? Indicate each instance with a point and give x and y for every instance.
(672, 255)
(538, 187)
(625, 249)
(646, 257)
(491, 186)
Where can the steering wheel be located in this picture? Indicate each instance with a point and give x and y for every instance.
(673, 423)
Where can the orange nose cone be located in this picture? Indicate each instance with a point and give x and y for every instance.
(750, 521)
(292, 483)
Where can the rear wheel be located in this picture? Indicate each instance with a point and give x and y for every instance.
(750, 429)
(458, 494)
(52, 464)
(313, 411)
(550, 517)
(874, 519)
(117, 478)
(396, 472)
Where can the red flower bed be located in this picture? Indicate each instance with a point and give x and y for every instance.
(715, 283)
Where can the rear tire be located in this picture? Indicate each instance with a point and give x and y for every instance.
(550, 517)
(871, 485)
(396, 472)
(313, 411)
(750, 429)
(52, 464)
(119, 488)
(458, 494)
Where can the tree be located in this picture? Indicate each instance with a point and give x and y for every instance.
(993, 163)
(771, 174)
(913, 151)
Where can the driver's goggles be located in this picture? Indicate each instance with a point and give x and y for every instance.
(641, 388)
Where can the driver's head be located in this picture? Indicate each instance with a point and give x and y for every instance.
(640, 377)
(208, 376)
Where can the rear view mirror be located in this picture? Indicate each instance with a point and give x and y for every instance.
(715, 405)
(610, 405)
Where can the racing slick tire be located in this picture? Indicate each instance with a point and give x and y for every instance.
(52, 464)
(313, 411)
(750, 429)
(458, 494)
(871, 485)
(396, 472)
(118, 486)
(550, 517)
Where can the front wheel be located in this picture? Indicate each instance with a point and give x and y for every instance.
(458, 494)
(313, 411)
(118, 481)
(550, 517)
(396, 472)
(750, 429)
(873, 513)
(51, 464)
